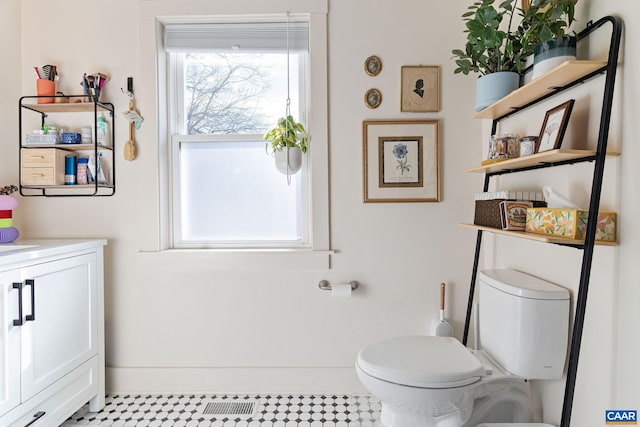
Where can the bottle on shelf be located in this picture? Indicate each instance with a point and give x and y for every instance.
(103, 130)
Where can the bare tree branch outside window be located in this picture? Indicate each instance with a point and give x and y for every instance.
(223, 93)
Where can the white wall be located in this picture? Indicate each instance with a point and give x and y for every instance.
(10, 75)
(625, 347)
(176, 323)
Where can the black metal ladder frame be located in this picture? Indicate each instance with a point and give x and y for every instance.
(588, 246)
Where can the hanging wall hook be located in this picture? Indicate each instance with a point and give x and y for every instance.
(129, 91)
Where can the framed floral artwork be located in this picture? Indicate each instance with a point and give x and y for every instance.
(420, 88)
(554, 126)
(400, 161)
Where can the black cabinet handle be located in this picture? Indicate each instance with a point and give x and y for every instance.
(36, 417)
(31, 317)
(18, 321)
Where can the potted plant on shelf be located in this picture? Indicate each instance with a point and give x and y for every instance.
(545, 27)
(287, 141)
(494, 50)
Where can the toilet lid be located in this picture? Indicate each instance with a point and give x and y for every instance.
(421, 361)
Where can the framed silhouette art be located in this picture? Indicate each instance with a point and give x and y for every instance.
(420, 88)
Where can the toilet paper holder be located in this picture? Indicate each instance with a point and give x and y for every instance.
(326, 286)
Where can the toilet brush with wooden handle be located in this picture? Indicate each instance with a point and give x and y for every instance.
(441, 328)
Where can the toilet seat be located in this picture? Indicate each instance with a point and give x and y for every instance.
(421, 361)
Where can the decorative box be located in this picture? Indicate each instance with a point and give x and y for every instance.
(570, 223)
(514, 214)
(71, 138)
(487, 208)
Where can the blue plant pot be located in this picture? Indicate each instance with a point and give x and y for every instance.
(552, 53)
(495, 86)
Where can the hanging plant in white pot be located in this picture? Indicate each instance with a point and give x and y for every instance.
(287, 142)
(288, 139)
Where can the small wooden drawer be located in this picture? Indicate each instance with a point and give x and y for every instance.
(43, 166)
(41, 176)
(43, 157)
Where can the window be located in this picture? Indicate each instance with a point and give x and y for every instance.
(227, 85)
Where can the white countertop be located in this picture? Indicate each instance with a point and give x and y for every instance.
(24, 250)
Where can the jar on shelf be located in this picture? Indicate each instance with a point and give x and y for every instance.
(504, 146)
(528, 145)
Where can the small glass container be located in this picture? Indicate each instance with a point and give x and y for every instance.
(504, 146)
(528, 145)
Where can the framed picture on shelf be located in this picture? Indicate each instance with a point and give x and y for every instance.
(400, 161)
(554, 126)
(420, 91)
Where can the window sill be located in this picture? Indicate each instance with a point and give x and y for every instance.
(249, 259)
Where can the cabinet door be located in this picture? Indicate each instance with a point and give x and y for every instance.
(63, 332)
(9, 343)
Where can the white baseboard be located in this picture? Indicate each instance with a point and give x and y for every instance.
(233, 380)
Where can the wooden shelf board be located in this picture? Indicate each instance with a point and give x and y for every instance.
(536, 237)
(69, 147)
(71, 107)
(560, 76)
(551, 156)
(67, 187)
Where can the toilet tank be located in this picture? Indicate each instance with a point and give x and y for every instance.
(524, 323)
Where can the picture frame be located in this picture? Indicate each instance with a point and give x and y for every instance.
(400, 161)
(372, 65)
(373, 98)
(554, 127)
(420, 88)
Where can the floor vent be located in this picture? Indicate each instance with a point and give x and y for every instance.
(229, 408)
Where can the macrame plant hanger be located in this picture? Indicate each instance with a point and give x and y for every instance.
(288, 107)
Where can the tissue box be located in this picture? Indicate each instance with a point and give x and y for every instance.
(570, 223)
(487, 205)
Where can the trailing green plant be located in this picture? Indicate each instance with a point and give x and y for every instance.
(287, 133)
(546, 20)
(490, 46)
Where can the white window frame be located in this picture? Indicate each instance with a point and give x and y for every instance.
(317, 123)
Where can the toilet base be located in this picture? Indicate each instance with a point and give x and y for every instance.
(391, 417)
(503, 405)
(502, 401)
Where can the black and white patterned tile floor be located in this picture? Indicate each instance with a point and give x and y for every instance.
(188, 410)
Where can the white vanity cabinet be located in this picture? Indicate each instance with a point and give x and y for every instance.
(51, 336)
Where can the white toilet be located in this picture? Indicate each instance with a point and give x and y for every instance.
(425, 381)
